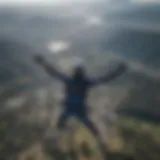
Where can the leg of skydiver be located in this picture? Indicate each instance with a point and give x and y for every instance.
(52, 140)
(60, 128)
(61, 125)
(90, 125)
(62, 120)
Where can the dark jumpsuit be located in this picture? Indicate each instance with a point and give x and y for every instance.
(75, 101)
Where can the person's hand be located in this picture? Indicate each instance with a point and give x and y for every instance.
(39, 59)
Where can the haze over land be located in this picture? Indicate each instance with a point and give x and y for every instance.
(96, 32)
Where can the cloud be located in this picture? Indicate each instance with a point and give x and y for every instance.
(56, 47)
(94, 21)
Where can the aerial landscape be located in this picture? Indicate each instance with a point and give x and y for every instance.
(96, 33)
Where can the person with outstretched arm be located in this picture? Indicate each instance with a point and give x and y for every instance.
(76, 89)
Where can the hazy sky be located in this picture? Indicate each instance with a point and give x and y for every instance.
(40, 1)
(57, 1)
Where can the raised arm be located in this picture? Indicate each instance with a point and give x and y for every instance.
(50, 69)
(109, 76)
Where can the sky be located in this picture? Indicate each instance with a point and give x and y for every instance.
(55, 1)
(40, 1)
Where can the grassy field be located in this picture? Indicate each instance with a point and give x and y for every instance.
(131, 140)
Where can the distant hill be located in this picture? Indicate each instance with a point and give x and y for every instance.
(137, 45)
(15, 60)
(143, 100)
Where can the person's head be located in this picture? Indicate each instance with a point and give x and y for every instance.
(79, 72)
